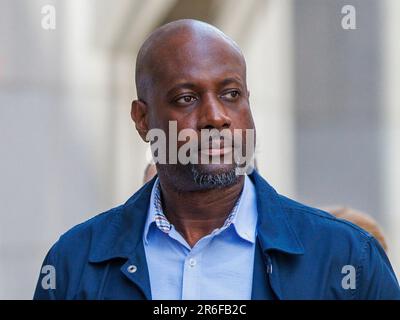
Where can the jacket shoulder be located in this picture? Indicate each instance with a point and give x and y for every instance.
(98, 225)
(343, 244)
(82, 232)
(69, 255)
(321, 221)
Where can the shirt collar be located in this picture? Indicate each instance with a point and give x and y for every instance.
(243, 215)
(245, 220)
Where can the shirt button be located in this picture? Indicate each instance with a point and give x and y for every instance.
(132, 268)
(192, 262)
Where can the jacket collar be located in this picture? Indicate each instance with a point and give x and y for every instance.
(121, 235)
(273, 228)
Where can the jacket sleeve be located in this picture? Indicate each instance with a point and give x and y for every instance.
(377, 278)
(46, 286)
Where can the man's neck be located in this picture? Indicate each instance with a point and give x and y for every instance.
(197, 214)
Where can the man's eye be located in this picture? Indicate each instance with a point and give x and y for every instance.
(186, 99)
(231, 95)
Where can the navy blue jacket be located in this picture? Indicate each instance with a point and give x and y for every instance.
(301, 253)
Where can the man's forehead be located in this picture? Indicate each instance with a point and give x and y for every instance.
(198, 61)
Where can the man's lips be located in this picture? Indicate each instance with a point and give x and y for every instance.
(213, 150)
(216, 152)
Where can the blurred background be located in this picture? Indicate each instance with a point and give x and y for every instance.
(326, 103)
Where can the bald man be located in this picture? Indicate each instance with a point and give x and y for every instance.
(202, 229)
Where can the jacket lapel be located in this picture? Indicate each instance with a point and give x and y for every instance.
(274, 234)
(261, 283)
(122, 238)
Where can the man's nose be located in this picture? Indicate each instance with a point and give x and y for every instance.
(213, 114)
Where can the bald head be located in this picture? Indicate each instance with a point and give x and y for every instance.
(178, 41)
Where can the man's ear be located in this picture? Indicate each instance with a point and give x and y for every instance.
(139, 116)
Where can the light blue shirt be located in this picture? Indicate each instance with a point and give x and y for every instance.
(219, 266)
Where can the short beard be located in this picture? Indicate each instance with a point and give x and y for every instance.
(214, 180)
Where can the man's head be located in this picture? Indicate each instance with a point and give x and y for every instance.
(190, 72)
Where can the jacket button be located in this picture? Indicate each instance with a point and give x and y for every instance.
(132, 268)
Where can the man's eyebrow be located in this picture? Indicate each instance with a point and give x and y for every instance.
(193, 86)
(227, 81)
(182, 85)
